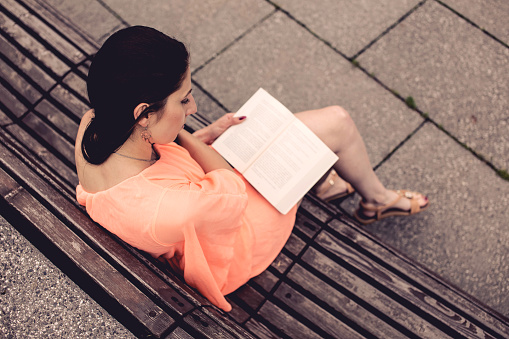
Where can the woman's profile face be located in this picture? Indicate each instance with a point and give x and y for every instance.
(166, 125)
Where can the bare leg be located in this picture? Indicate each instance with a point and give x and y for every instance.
(336, 129)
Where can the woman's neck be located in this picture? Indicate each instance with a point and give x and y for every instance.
(137, 150)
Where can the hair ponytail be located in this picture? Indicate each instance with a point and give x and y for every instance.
(98, 144)
(135, 65)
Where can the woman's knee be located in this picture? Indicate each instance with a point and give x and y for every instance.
(338, 117)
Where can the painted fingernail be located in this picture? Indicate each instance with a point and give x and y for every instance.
(242, 117)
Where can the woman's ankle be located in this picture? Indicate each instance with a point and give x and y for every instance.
(381, 198)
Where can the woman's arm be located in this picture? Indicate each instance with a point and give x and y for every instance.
(205, 156)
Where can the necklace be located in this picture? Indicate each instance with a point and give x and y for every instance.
(126, 156)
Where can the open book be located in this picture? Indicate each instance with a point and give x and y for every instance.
(277, 154)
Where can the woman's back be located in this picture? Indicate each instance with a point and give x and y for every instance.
(95, 178)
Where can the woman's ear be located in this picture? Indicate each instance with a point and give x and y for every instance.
(138, 110)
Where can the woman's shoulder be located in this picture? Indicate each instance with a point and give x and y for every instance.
(96, 178)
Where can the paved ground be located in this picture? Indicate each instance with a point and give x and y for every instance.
(451, 57)
(38, 301)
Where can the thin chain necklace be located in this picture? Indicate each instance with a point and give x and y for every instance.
(126, 156)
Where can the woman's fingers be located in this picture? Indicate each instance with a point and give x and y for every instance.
(228, 120)
(214, 130)
(238, 120)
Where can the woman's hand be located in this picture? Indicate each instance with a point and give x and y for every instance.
(204, 155)
(214, 130)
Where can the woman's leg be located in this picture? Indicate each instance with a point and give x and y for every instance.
(334, 126)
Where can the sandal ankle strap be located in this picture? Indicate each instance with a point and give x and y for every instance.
(414, 204)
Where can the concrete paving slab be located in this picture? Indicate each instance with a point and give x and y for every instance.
(206, 26)
(463, 235)
(38, 301)
(454, 71)
(490, 15)
(348, 25)
(90, 16)
(303, 73)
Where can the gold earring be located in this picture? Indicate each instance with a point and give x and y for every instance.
(145, 135)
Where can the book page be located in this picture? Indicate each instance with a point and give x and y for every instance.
(290, 166)
(240, 145)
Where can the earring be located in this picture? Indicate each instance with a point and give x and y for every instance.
(145, 135)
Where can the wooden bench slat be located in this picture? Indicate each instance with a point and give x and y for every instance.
(380, 325)
(205, 326)
(84, 257)
(84, 67)
(238, 314)
(65, 27)
(260, 330)
(250, 296)
(221, 318)
(77, 83)
(45, 159)
(11, 103)
(22, 87)
(307, 224)
(266, 280)
(316, 208)
(369, 294)
(48, 35)
(315, 314)
(179, 333)
(166, 274)
(285, 323)
(61, 121)
(69, 101)
(281, 263)
(295, 245)
(4, 119)
(388, 279)
(31, 45)
(419, 275)
(55, 140)
(24, 65)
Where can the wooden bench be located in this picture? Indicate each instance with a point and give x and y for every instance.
(332, 279)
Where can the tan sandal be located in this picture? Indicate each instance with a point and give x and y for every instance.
(331, 180)
(385, 210)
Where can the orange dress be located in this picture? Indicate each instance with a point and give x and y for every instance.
(223, 231)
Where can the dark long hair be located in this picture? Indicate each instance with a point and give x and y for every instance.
(135, 65)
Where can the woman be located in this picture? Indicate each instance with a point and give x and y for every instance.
(183, 202)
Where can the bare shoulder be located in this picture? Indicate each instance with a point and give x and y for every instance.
(95, 178)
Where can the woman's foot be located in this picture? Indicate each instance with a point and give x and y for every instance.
(399, 202)
(333, 188)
